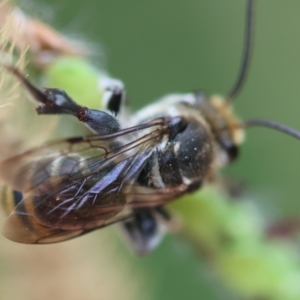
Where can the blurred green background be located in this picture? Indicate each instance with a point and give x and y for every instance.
(159, 47)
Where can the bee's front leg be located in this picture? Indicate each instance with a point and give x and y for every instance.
(56, 101)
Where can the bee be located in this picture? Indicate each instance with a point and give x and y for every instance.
(130, 166)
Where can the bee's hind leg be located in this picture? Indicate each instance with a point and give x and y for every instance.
(56, 101)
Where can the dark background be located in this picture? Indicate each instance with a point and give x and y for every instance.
(158, 47)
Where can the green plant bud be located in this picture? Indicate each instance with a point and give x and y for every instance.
(78, 78)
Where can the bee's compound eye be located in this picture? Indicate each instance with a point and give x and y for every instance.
(232, 152)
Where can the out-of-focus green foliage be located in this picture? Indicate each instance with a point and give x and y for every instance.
(78, 78)
(234, 241)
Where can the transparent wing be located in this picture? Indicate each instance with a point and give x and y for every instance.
(77, 158)
(76, 185)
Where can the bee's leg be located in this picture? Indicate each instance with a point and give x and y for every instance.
(56, 101)
(163, 213)
(146, 229)
(114, 95)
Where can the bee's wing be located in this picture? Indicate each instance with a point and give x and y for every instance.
(78, 157)
(77, 185)
(22, 227)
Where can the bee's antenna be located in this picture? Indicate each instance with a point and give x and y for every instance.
(247, 52)
(273, 125)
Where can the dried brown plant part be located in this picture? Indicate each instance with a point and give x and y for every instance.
(19, 126)
(286, 228)
(9, 89)
(43, 42)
